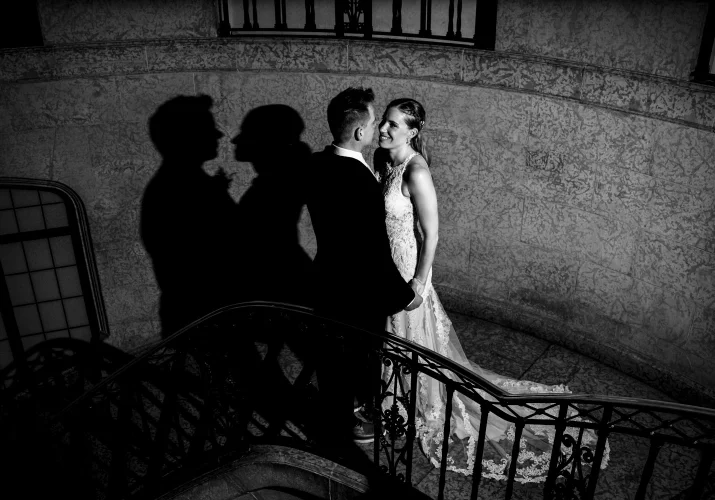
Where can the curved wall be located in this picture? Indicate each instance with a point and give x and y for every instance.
(576, 202)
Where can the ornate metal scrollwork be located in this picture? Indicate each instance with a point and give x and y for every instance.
(353, 9)
(571, 482)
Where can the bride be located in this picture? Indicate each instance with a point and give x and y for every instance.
(402, 166)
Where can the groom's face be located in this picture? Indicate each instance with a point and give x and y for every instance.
(368, 131)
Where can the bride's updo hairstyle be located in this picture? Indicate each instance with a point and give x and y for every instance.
(414, 118)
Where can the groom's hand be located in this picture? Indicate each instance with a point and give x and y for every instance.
(416, 302)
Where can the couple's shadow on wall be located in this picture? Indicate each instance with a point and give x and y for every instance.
(208, 251)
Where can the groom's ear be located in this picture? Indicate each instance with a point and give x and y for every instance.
(357, 133)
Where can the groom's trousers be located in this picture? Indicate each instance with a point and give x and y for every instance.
(348, 371)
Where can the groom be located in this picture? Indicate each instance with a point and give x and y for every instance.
(355, 279)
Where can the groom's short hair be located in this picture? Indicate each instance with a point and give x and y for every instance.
(348, 109)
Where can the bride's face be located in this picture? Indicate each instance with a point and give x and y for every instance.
(394, 132)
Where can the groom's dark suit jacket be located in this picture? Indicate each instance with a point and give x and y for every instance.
(355, 278)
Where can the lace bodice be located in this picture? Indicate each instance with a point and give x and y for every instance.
(401, 220)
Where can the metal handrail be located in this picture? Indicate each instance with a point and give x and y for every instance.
(192, 400)
(355, 17)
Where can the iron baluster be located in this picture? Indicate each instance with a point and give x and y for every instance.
(206, 417)
(279, 21)
(377, 422)
(285, 18)
(224, 24)
(396, 17)
(429, 17)
(309, 14)
(445, 440)
(647, 473)
(246, 16)
(485, 24)
(393, 429)
(339, 18)
(576, 465)
(367, 17)
(450, 23)
(477, 472)
(168, 413)
(459, 19)
(556, 451)
(411, 412)
(603, 433)
(255, 16)
(518, 429)
(423, 17)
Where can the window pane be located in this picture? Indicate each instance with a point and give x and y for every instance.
(28, 342)
(38, 254)
(48, 197)
(5, 354)
(59, 334)
(76, 312)
(20, 289)
(28, 319)
(7, 222)
(13, 261)
(62, 250)
(56, 215)
(52, 315)
(83, 333)
(25, 197)
(5, 198)
(45, 285)
(30, 219)
(69, 281)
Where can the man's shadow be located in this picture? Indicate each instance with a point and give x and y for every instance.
(277, 267)
(189, 223)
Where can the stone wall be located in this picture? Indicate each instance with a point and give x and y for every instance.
(82, 21)
(576, 202)
(660, 37)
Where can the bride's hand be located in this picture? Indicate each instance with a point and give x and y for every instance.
(417, 285)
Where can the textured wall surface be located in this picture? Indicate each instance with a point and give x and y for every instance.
(80, 21)
(659, 37)
(565, 210)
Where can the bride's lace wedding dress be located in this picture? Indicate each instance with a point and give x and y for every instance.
(429, 326)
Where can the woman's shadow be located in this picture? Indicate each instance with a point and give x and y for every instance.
(276, 267)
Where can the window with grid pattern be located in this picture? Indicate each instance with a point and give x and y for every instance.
(50, 288)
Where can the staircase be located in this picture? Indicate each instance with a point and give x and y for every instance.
(229, 407)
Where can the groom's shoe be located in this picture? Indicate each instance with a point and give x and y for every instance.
(363, 432)
(363, 415)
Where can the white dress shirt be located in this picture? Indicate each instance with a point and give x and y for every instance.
(351, 154)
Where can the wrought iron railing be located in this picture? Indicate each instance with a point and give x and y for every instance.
(245, 374)
(357, 18)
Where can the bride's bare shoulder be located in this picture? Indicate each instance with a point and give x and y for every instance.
(417, 167)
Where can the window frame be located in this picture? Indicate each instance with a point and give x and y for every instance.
(78, 229)
(702, 72)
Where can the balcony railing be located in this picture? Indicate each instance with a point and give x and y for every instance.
(245, 375)
(468, 22)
